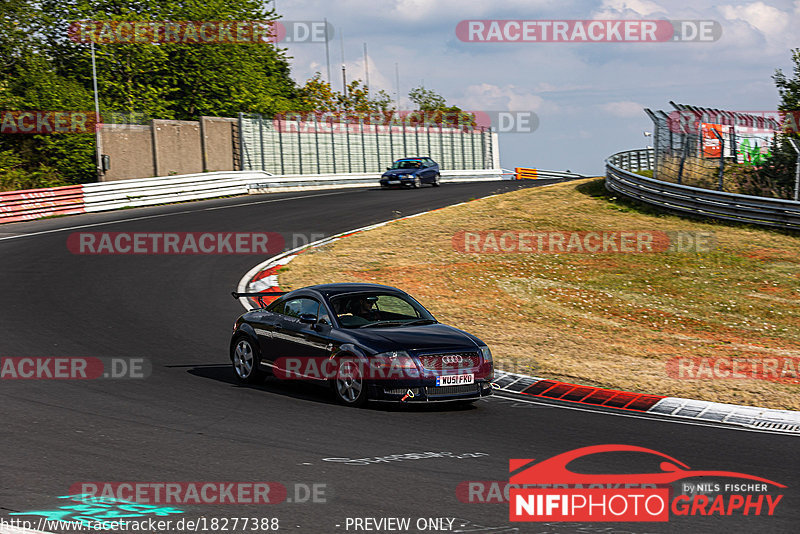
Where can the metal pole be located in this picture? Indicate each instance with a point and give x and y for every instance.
(327, 53)
(684, 150)
(316, 141)
(378, 147)
(98, 141)
(796, 170)
(347, 136)
(261, 140)
(363, 145)
(366, 68)
(397, 80)
(333, 147)
(280, 142)
(721, 155)
(299, 146)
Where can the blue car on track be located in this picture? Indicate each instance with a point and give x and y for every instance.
(411, 172)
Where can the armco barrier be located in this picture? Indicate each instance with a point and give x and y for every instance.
(704, 202)
(104, 196)
(36, 203)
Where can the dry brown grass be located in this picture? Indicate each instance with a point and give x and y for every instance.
(611, 320)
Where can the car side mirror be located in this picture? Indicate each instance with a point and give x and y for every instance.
(308, 318)
(388, 168)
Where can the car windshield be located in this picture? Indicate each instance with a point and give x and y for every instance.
(379, 310)
(407, 164)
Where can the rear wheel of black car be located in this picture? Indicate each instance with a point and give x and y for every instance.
(349, 386)
(436, 180)
(244, 357)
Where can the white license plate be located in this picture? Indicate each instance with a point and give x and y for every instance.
(455, 380)
(394, 181)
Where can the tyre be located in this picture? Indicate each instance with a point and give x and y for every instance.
(417, 183)
(245, 359)
(349, 386)
(436, 180)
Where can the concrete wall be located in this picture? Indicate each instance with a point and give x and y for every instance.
(217, 139)
(167, 147)
(131, 150)
(178, 147)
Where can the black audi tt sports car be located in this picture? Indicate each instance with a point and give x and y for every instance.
(367, 341)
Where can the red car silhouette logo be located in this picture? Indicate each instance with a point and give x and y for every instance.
(554, 470)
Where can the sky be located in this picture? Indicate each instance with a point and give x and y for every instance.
(589, 97)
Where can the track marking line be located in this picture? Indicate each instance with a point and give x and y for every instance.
(184, 212)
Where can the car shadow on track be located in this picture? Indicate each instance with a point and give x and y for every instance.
(308, 391)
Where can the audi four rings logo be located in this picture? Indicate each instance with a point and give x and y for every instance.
(452, 359)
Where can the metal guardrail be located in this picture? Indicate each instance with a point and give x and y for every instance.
(704, 202)
(32, 204)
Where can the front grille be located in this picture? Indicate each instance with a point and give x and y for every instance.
(453, 361)
(440, 391)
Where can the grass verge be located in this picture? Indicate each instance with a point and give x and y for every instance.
(611, 320)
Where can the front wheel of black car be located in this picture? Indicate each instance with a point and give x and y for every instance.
(417, 182)
(349, 386)
(244, 357)
(436, 180)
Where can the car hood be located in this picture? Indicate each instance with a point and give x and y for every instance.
(396, 172)
(420, 338)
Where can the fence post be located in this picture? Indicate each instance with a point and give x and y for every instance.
(796, 170)
(378, 147)
(242, 144)
(363, 145)
(684, 150)
(299, 146)
(261, 140)
(333, 146)
(483, 146)
(347, 136)
(316, 140)
(280, 141)
(721, 155)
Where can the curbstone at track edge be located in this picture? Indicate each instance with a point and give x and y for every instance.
(264, 277)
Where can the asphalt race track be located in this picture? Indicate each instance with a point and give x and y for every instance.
(189, 421)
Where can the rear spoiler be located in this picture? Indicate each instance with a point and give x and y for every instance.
(259, 296)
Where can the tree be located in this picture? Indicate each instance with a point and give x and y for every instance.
(317, 95)
(426, 99)
(42, 69)
(437, 111)
(789, 89)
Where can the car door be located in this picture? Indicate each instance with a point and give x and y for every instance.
(303, 341)
(265, 323)
(430, 171)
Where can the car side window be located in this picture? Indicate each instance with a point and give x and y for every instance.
(277, 306)
(322, 315)
(299, 306)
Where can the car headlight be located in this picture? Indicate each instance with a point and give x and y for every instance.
(394, 364)
(486, 353)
